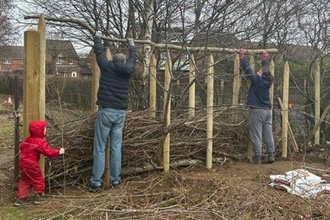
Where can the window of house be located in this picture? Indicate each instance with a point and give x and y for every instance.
(187, 57)
(74, 74)
(65, 75)
(59, 59)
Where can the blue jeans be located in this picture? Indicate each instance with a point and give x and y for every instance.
(109, 121)
(261, 130)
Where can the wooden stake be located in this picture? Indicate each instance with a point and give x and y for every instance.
(294, 142)
(210, 98)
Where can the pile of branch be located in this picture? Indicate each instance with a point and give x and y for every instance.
(142, 143)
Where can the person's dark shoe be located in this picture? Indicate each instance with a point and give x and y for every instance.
(38, 199)
(256, 160)
(94, 189)
(115, 185)
(271, 158)
(21, 202)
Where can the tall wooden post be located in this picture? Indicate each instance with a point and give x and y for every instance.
(250, 151)
(192, 88)
(42, 78)
(272, 72)
(285, 114)
(153, 86)
(236, 85)
(106, 176)
(31, 90)
(167, 111)
(317, 82)
(210, 98)
(95, 83)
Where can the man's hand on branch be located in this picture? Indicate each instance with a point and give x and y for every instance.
(264, 55)
(97, 34)
(241, 53)
(130, 42)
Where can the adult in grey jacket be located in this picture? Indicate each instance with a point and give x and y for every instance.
(260, 108)
(112, 99)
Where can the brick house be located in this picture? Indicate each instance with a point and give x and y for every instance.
(62, 60)
(11, 60)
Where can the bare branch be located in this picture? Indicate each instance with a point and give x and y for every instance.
(159, 46)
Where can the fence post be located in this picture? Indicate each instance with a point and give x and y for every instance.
(210, 98)
(95, 83)
(285, 113)
(272, 72)
(167, 111)
(106, 176)
(317, 81)
(42, 79)
(153, 86)
(250, 151)
(236, 85)
(192, 88)
(31, 91)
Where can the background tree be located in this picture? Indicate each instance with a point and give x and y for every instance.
(7, 32)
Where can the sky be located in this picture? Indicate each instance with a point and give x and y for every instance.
(21, 25)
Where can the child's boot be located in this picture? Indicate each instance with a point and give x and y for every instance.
(38, 199)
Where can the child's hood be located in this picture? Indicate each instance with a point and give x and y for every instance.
(37, 128)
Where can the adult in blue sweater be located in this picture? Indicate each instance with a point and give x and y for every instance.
(260, 108)
(112, 99)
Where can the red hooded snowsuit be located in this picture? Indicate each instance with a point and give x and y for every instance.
(30, 151)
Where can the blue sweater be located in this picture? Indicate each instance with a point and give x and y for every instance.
(114, 80)
(258, 95)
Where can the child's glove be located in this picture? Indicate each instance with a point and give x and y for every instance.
(264, 55)
(62, 151)
(241, 53)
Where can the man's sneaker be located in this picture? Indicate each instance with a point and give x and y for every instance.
(21, 202)
(256, 160)
(271, 158)
(115, 184)
(95, 189)
(38, 198)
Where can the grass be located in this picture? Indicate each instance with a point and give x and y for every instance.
(13, 213)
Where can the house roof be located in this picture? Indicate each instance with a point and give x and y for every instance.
(54, 48)
(11, 52)
(299, 52)
(215, 39)
(64, 48)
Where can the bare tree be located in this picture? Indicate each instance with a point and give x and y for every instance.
(6, 29)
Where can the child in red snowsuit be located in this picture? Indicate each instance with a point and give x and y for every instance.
(30, 150)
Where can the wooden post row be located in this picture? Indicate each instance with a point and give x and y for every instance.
(106, 176)
(210, 98)
(250, 152)
(42, 79)
(192, 88)
(317, 81)
(153, 87)
(285, 113)
(167, 111)
(31, 81)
